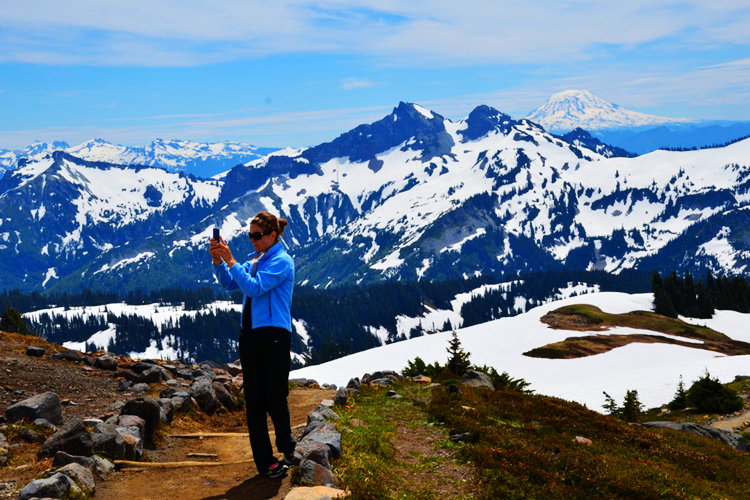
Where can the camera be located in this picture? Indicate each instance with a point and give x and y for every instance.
(217, 237)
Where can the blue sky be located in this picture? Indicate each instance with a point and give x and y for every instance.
(298, 73)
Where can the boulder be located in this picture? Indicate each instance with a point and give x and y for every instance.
(75, 356)
(133, 442)
(149, 410)
(57, 486)
(132, 421)
(154, 375)
(106, 362)
(224, 396)
(183, 404)
(29, 436)
(474, 378)
(82, 476)
(204, 395)
(35, 352)
(109, 442)
(341, 397)
(46, 405)
(129, 375)
(311, 473)
(314, 451)
(732, 439)
(141, 366)
(97, 465)
(321, 412)
(73, 438)
(327, 434)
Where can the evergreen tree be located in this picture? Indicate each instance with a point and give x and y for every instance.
(611, 406)
(680, 398)
(632, 408)
(12, 321)
(458, 363)
(709, 395)
(662, 301)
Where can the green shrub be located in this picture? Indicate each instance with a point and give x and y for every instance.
(708, 395)
(680, 398)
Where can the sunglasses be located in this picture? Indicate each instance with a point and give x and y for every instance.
(257, 235)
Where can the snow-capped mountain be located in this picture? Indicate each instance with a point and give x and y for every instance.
(573, 109)
(411, 196)
(200, 159)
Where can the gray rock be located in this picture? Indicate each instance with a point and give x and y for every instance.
(321, 412)
(57, 486)
(382, 381)
(224, 396)
(311, 473)
(106, 362)
(149, 410)
(139, 387)
(154, 375)
(315, 451)
(133, 442)
(29, 436)
(35, 352)
(46, 424)
(123, 385)
(341, 397)
(82, 476)
(353, 384)
(128, 375)
(109, 442)
(183, 404)
(46, 406)
(97, 465)
(327, 434)
(204, 395)
(732, 439)
(474, 378)
(141, 366)
(75, 356)
(167, 410)
(132, 421)
(73, 438)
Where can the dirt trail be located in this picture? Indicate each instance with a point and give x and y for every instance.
(234, 478)
(732, 423)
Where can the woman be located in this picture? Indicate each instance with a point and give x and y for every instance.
(267, 280)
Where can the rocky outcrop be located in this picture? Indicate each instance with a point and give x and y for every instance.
(733, 439)
(46, 406)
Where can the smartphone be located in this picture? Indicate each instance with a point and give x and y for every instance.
(217, 237)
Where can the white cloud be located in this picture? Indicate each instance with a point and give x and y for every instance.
(171, 33)
(355, 83)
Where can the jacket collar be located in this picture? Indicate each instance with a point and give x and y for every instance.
(276, 248)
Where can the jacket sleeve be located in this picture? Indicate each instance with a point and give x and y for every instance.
(224, 278)
(269, 276)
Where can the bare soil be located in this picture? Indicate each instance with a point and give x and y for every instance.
(221, 467)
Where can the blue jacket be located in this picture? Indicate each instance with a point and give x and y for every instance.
(270, 290)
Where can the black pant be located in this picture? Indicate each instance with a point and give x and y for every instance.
(265, 369)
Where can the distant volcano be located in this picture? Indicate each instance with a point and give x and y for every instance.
(571, 109)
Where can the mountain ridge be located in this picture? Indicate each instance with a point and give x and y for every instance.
(410, 196)
(200, 159)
